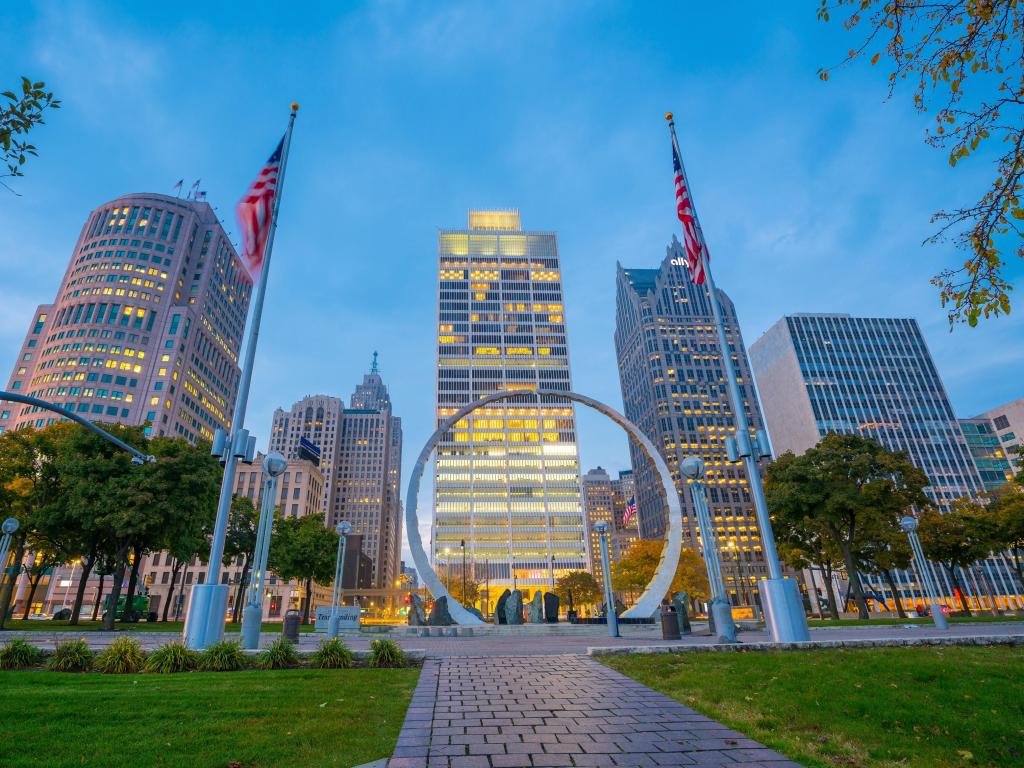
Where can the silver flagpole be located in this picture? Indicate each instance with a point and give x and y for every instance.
(784, 612)
(204, 623)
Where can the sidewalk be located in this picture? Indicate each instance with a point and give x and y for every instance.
(512, 712)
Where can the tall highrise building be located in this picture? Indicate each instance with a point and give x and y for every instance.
(870, 376)
(146, 325)
(1008, 421)
(316, 419)
(599, 508)
(368, 476)
(506, 479)
(674, 388)
(626, 532)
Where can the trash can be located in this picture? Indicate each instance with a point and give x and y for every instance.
(291, 625)
(669, 624)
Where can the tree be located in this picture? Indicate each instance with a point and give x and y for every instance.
(243, 521)
(849, 489)
(584, 588)
(802, 545)
(304, 549)
(634, 571)
(957, 538)
(1007, 509)
(965, 56)
(886, 551)
(471, 594)
(18, 116)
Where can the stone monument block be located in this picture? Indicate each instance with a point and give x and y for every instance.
(514, 608)
(439, 615)
(551, 607)
(417, 616)
(535, 609)
(499, 609)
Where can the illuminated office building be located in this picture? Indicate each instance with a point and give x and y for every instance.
(506, 479)
(317, 419)
(146, 325)
(674, 388)
(604, 501)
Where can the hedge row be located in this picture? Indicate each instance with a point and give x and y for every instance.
(125, 656)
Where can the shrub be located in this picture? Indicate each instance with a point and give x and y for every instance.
(280, 654)
(332, 654)
(124, 656)
(386, 653)
(73, 656)
(17, 654)
(173, 657)
(225, 656)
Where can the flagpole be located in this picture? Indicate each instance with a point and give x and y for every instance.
(784, 623)
(208, 625)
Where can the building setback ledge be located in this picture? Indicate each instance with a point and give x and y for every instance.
(1012, 640)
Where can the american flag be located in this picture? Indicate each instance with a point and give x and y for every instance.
(630, 513)
(255, 211)
(684, 210)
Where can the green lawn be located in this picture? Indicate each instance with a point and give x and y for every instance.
(48, 625)
(982, 618)
(302, 717)
(922, 707)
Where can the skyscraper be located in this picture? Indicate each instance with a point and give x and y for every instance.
(987, 452)
(673, 388)
(870, 376)
(146, 325)
(506, 479)
(604, 500)
(1008, 421)
(317, 419)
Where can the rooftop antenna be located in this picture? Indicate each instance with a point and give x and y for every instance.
(373, 367)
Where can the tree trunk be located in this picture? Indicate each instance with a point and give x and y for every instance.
(99, 597)
(830, 590)
(851, 572)
(33, 585)
(133, 583)
(243, 583)
(8, 590)
(115, 589)
(175, 570)
(887, 575)
(958, 590)
(83, 581)
(306, 601)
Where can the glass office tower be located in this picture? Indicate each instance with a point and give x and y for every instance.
(506, 480)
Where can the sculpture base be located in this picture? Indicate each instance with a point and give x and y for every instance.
(252, 622)
(721, 620)
(783, 611)
(204, 622)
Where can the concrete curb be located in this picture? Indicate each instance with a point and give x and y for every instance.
(1010, 640)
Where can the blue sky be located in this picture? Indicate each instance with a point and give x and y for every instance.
(813, 196)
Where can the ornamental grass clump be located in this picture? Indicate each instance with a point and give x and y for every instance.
(173, 657)
(73, 656)
(386, 653)
(332, 654)
(280, 654)
(17, 654)
(225, 656)
(124, 656)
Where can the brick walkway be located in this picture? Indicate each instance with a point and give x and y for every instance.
(495, 712)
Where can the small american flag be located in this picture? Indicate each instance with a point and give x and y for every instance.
(684, 210)
(255, 211)
(630, 513)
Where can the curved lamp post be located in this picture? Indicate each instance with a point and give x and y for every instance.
(344, 528)
(274, 465)
(908, 524)
(663, 575)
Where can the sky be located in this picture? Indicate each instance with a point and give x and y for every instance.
(813, 196)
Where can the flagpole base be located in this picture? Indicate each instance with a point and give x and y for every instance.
(252, 623)
(204, 622)
(783, 611)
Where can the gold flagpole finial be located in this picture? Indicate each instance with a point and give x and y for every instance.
(668, 116)
(295, 106)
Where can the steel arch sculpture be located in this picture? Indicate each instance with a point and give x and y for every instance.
(663, 575)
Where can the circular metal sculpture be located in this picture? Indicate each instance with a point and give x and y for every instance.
(662, 581)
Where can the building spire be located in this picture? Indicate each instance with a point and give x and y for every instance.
(373, 366)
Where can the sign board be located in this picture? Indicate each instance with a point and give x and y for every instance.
(309, 450)
(348, 615)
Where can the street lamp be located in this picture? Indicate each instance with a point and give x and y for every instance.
(909, 525)
(463, 545)
(344, 528)
(10, 527)
(606, 570)
(274, 465)
(692, 468)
